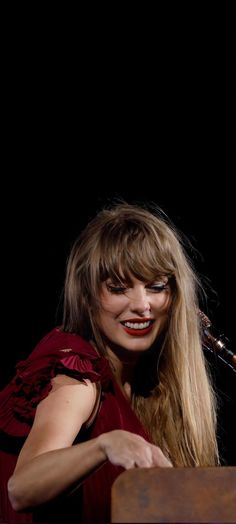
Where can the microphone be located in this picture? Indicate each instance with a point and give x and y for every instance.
(216, 344)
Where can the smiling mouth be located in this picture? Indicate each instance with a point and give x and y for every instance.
(141, 324)
(137, 328)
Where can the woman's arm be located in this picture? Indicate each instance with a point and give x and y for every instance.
(50, 474)
(48, 464)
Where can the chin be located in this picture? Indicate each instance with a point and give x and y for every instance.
(138, 345)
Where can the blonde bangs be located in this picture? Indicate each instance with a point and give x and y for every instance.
(121, 255)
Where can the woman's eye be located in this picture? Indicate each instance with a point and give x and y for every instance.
(116, 289)
(157, 288)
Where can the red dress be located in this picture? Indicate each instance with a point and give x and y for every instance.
(69, 354)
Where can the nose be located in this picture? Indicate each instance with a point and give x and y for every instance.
(139, 301)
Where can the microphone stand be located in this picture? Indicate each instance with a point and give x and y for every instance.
(216, 344)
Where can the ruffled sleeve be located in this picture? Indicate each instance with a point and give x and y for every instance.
(57, 353)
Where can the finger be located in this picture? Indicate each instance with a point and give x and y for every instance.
(159, 459)
(144, 463)
(129, 464)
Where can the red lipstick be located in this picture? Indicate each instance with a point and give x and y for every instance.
(138, 332)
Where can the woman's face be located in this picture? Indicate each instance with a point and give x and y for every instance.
(133, 316)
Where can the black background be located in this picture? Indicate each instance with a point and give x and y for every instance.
(141, 115)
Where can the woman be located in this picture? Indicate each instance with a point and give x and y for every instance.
(122, 383)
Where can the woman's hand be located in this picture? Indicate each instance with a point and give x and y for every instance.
(129, 450)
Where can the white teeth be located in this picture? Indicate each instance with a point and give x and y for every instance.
(137, 325)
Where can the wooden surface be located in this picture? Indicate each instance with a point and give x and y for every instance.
(175, 495)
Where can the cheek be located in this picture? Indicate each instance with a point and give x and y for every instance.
(164, 303)
(112, 305)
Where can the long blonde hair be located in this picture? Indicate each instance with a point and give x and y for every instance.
(179, 410)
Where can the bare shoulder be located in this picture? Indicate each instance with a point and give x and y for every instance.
(77, 396)
(59, 416)
(64, 380)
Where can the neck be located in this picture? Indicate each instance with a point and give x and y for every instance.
(123, 366)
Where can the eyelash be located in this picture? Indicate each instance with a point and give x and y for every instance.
(119, 290)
